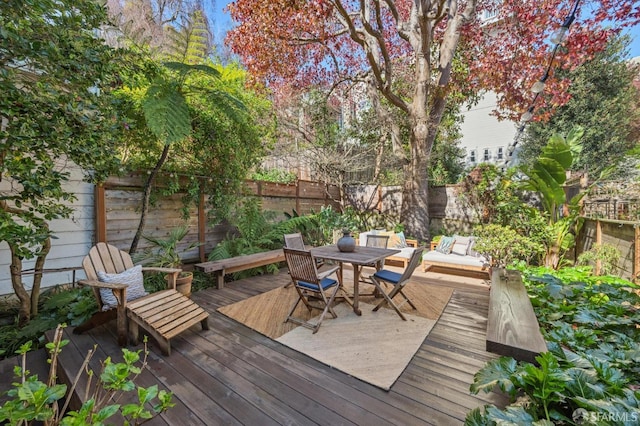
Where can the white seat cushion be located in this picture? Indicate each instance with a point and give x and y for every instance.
(455, 259)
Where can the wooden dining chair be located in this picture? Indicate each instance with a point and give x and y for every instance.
(380, 241)
(117, 285)
(398, 282)
(310, 284)
(294, 241)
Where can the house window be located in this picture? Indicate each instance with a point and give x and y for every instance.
(489, 15)
(499, 154)
(472, 156)
(486, 156)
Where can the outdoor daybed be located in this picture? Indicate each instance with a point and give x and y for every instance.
(456, 255)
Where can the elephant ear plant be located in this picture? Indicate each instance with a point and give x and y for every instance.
(590, 374)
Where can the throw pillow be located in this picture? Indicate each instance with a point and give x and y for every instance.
(398, 241)
(471, 251)
(131, 277)
(445, 245)
(461, 245)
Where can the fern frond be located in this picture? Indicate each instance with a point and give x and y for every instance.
(166, 112)
(184, 69)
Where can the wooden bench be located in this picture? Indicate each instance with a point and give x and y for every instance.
(239, 263)
(512, 328)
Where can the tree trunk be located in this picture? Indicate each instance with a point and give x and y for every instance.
(24, 312)
(37, 276)
(145, 198)
(415, 194)
(425, 113)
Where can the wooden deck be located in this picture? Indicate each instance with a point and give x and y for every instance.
(233, 375)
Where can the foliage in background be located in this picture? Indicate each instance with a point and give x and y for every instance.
(606, 254)
(504, 246)
(447, 162)
(257, 231)
(546, 177)
(55, 108)
(167, 115)
(273, 175)
(593, 363)
(345, 43)
(71, 306)
(604, 101)
(485, 191)
(166, 252)
(31, 400)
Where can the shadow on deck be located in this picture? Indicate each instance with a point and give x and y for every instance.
(231, 374)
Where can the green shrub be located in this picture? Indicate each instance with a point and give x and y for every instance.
(57, 305)
(608, 255)
(504, 246)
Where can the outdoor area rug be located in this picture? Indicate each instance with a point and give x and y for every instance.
(375, 347)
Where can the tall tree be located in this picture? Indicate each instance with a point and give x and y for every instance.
(604, 102)
(55, 77)
(334, 41)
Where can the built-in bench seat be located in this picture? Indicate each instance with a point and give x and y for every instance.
(512, 326)
(239, 263)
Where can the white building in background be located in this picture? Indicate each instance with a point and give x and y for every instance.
(484, 138)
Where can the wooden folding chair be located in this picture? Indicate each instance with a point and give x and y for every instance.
(294, 241)
(163, 314)
(380, 241)
(310, 284)
(398, 282)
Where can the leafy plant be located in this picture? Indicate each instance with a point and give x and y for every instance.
(257, 231)
(546, 177)
(606, 254)
(164, 252)
(58, 305)
(503, 245)
(589, 324)
(53, 66)
(33, 400)
(274, 175)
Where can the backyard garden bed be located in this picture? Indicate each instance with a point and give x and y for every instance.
(591, 373)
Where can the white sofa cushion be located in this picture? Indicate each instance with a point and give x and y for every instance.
(456, 259)
(405, 252)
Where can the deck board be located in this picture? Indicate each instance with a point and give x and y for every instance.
(231, 374)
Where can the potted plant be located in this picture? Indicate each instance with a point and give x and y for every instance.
(164, 253)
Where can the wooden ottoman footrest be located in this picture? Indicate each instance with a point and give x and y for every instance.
(164, 315)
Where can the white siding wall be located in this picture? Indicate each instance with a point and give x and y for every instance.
(481, 130)
(74, 239)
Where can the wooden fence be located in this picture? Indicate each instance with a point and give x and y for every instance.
(623, 235)
(118, 203)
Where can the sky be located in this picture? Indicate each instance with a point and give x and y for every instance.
(223, 23)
